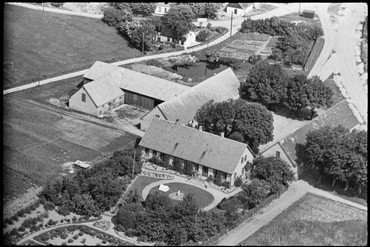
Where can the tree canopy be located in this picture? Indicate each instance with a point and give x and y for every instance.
(339, 153)
(208, 10)
(179, 18)
(239, 120)
(116, 14)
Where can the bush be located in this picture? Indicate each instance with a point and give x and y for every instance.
(254, 59)
(74, 219)
(153, 160)
(226, 184)
(218, 180)
(203, 35)
(70, 240)
(49, 206)
(75, 237)
(209, 178)
(80, 233)
(68, 220)
(238, 182)
(22, 228)
(56, 4)
(50, 222)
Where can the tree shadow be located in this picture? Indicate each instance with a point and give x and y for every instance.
(311, 176)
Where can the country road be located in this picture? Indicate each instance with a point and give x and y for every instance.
(295, 192)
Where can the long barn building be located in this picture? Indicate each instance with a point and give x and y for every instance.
(107, 86)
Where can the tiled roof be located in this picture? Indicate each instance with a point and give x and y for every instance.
(114, 77)
(239, 5)
(103, 90)
(190, 144)
(220, 87)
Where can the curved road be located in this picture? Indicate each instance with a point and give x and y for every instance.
(281, 9)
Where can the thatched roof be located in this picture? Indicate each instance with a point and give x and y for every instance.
(193, 145)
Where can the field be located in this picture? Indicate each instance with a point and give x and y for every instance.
(314, 220)
(38, 138)
(41, 45)
(202, 197)
(245, 46)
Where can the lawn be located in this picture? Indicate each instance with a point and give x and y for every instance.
(41, 45)
(37, 140)
(141, 182)
(202, 197)
(314, 220)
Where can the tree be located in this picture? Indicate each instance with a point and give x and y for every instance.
(146, 31)
(188, 168)
(142, 7)
(208, 10)
(179, 18)
(177, 164)
(253, 193)
(212, 56)
(239, 120)
(272, 169)
(203, 35)
(266, 84)
(338, 153)
(116, 14)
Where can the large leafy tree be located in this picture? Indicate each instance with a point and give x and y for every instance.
(179, 18)
(239, 120)
(142, 7)
(272, 169)
(208, 10)
(116, 14)
(266, 84)
(338, 153)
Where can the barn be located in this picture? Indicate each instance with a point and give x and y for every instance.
(107, 86)
(240, 9)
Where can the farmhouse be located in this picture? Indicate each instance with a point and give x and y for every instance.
(288, 148)
(211, 154)
(240, 9)
(220, 87)
(107, 86)
(169, 35)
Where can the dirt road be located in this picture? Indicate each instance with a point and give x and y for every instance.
(296, 191)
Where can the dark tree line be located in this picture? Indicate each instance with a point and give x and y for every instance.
(338, 153)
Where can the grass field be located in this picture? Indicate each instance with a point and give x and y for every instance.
(202, 197)
(38, 139)
(314, 220)
(141, 182)
(45, 44)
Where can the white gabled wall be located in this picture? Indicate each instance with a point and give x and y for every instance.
(76, 103)
(247, 157)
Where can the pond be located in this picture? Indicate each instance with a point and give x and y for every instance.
(199, 71)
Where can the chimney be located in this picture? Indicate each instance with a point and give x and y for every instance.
(222, 135)
(200, 128)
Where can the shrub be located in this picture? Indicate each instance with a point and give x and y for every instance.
(75, 237)
(22, 228)
(68, 220)
(50, 222)
(45, 215)
(218, 180)
(83, 240)
(209, 178)
(9, 221)
(238, 182)
(56, 4)
(80, 233)
(153, 160)
(209, 25)
(254, 59)
(49, 206)
(74, 219)
(203, 35)
(70, 240)
(226, 184)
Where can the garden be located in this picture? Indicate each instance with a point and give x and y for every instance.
(78, 235)
(202, 197)
(314, 220)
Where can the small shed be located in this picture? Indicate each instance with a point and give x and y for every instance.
(163, 188)
(308, 14)
(82, 164)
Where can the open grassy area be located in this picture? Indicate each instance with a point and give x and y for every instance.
(314, 220)
(202, 197)
(38, 139)
(141, 182)
(39, 45)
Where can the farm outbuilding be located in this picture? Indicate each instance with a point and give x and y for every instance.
(107, 86)
(240, 9)
(220, 87)
(308, 14)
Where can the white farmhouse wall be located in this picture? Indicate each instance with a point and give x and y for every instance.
(239, 170)
(76, 103)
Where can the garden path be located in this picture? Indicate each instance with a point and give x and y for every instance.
(217, 195)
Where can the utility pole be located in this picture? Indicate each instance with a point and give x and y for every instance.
(299, 10)
(231, 24)
(133, 163)
(42, 7)
(142, 46)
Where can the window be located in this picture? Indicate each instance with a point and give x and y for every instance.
(225, 176)
(196, 167)
(134, 97)
(83, 97)
(161, 156)
(205, 170)
(168, 39)
(235, 11)
(165, 10)
(146, 151)
(154, 153)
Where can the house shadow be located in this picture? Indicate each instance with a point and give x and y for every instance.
(311, 176)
